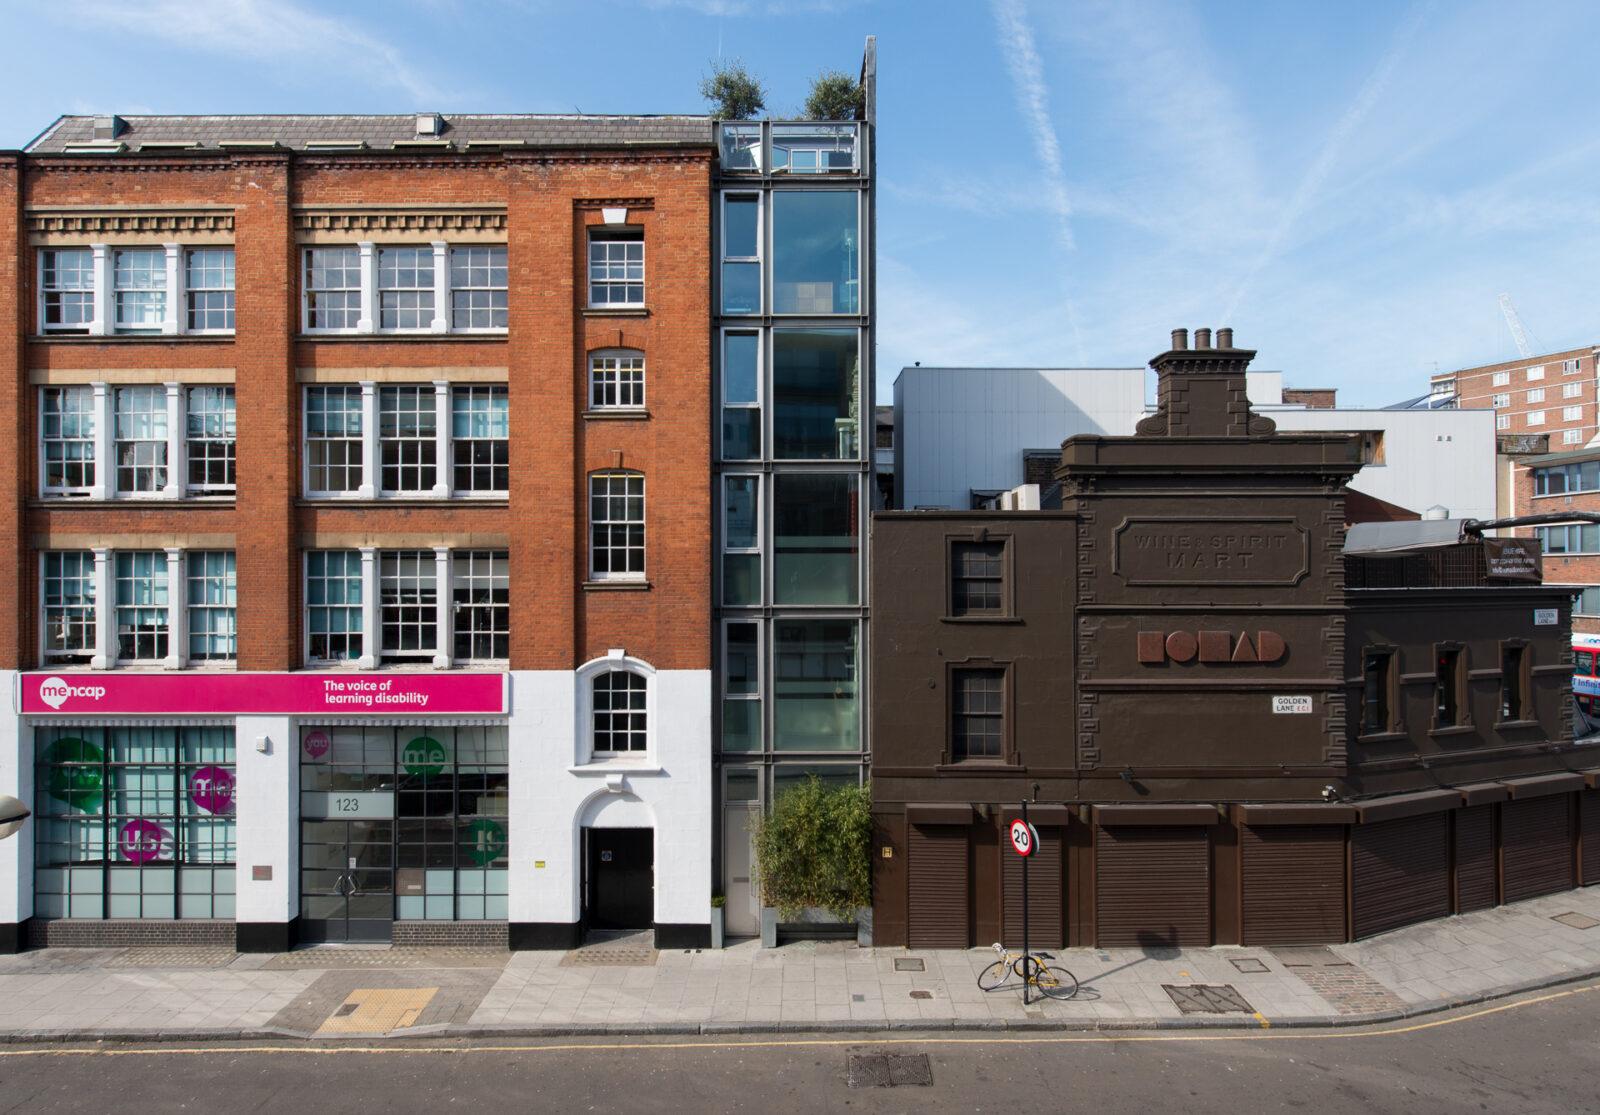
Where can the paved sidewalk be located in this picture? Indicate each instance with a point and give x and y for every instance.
(625, 986)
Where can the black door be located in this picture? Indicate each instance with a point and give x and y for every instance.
(621, 891)
(346, 880)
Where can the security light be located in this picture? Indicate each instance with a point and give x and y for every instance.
(12, 814)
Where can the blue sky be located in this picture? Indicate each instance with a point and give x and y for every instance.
(1350, 185)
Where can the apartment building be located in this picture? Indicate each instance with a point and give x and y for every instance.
(360, 501)
(794, 320)
(1553, 394)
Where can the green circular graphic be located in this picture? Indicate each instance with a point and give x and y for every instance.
(424, 757)
(79, 786)
(484, 841)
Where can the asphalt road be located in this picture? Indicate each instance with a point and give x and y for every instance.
(1536, 1054)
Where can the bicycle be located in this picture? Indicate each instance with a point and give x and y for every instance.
(1057, 983)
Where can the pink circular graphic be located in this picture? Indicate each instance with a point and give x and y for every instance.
(211, 789)
(316, 744)
(141, 841)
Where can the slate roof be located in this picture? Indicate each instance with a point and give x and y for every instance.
(382, 133)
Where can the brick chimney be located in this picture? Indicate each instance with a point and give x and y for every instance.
(1200, 391)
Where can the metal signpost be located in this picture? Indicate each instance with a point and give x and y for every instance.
(1024, 841)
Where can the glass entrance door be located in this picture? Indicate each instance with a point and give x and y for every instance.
(346, 880)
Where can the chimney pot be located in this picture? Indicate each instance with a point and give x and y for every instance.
(1180, 339)
(1202, 338)
(1225, 337)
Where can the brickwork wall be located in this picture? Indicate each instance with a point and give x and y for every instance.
(1579, 570)
(551, 199)
(118, 933)
(451, 934)
(1475, 388)
(1317, 398)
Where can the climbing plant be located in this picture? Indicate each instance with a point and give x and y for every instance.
(814, 850)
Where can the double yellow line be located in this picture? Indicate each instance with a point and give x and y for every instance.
(875, 1039)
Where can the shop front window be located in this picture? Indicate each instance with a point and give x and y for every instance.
(134, 822)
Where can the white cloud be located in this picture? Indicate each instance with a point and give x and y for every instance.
(266, 30)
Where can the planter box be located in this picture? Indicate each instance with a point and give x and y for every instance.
(812, 925)
(716, 927)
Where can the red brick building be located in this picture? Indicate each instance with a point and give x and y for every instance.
(1552, 394)
(302, 403)
(1553, 483)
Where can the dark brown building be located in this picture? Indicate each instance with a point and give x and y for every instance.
(1229, 730)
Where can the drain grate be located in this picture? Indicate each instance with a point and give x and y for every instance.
(1203, 998)
(1249, 965)
(910, 964)
(889, 1070)
(1576, 920)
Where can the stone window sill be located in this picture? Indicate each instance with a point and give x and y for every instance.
(616, 586)
(620, 414)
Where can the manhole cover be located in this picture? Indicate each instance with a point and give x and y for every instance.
(889, 1070)
(1248, 964)
(922, 994)
(1576, 920)
(1202, 998)
(909, 964)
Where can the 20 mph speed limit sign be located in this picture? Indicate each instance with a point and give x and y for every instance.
(1024, 837)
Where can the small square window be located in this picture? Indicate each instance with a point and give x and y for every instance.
(616, 268)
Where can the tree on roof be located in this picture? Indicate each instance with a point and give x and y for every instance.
(834, 96)
(732, 93)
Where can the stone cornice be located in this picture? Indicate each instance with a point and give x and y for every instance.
(123, 222)
(414, 220)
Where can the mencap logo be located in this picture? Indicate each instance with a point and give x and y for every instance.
(54, 692)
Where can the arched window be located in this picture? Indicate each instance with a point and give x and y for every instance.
(616, 526)
(620, 719)
(616, 379)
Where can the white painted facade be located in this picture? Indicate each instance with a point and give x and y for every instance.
(960, 430)
(556, 789)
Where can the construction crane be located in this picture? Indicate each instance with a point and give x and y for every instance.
(1514, 323)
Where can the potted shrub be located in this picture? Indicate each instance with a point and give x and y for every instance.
(813, 855)
(833, 96)
(731, 92)
(717, 903)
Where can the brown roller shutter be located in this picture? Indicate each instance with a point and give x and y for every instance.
(938, 879)
(1399, 872)
(1535, 847)
(1476, 886)
(1152, 887)
(1589, 835)
(1044, 892)
(1293, 884)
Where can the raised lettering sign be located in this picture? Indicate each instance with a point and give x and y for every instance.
(1158, 550)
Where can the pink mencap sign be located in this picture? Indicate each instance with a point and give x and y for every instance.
(234, 694)
(316, 744)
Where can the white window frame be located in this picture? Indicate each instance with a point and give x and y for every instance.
(366, 437)
(761, 245)
(171, 414)
(367, 561)
(448, 467)
(429, 318)
(429, 566)
(1535, 418)
(1571, 367)
(95, 417)
(190, 289)
(97, 571)
(1502, 400)
(616, 372)
(473, 288)
(366, 279)
(760, 404)
(622, 234)
(162, 270)
(1572, 390)
(1572, 414)
(1571, 437)
(1536, 373)
(470, 558)
(195, 574)
(585, 755)
(1500, 379)
(1502, 422)
(96, 323)
(105, 486)
(190, 440)
(644, 519)
(428, 396)
(1536, 395)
